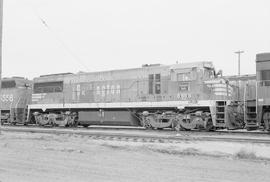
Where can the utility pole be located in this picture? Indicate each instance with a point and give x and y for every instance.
(239, 54)
(1, 27)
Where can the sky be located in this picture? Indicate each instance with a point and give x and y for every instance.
(56, 36)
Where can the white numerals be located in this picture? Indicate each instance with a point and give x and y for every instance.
(7, 98)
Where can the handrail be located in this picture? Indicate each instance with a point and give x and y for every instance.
(256, 104)
(245, 104)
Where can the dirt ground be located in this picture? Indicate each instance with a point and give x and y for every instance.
(49, 157)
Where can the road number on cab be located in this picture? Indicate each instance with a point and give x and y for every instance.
(7, 98)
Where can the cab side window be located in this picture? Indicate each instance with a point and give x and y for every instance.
(157, 83)
(8, 84)
(265, 77)
(154, 84)
(150, 83)
(48, 87)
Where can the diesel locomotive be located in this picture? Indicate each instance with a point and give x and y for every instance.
(188, 95)
(180, 96)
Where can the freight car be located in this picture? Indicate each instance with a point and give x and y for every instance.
(188, 96)
(14, 98)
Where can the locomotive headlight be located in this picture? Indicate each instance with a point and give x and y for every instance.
(145, 113)
(36, 113)
(181, 108)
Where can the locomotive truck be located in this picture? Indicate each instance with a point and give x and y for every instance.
(187, 96)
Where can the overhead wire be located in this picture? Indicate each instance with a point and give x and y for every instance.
(57, 37)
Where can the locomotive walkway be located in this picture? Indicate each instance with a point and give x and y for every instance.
(135, 134)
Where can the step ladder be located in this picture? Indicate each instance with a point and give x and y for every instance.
(220, 114)
(251, 115)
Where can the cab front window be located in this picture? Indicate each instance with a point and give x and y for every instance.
(184, 76)
(8, 84)
(265, 77)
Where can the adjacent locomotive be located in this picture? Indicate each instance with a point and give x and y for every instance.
(188, 95)
(244, 94)
(258, 103)
(254, 94)
(14, 98)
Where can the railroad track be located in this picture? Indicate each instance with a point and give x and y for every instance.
(166, 130)
(145, 136)
(139, 128)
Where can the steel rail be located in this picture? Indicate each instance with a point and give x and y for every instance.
(142, 135)
(97, 127)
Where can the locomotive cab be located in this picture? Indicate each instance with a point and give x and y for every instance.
(49, 89)
(15, 96)
(263, 90)
(197, 81)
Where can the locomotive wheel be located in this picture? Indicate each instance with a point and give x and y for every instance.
(209, 124)
(13, 123)
(176, 123)
(52, 119)
(187, 123)
(147, 123)
(71, 121)
(75, 124)
(266, 120)
(199, 123)
(42, 120)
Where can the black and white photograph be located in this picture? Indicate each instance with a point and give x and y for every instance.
(134, 91)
